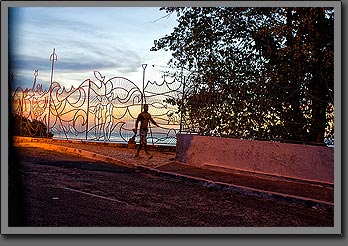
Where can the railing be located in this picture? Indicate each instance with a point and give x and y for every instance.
(97, 110)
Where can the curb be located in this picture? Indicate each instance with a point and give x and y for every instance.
(196, 180)
(242, 189)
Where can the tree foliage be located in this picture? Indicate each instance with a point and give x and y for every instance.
(264, 73)
(22, 126)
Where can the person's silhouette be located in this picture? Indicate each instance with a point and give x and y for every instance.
(144, 118)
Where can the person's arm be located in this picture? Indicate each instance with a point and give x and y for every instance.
(153, 122)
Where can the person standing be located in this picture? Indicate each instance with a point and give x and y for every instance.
(144, 118)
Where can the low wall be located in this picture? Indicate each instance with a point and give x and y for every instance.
(315, 163)
(161, 148)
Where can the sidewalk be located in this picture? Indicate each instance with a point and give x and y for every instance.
(163, 163)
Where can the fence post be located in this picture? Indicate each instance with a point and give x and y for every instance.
(87, 111)
(182, 103)
(53, 58)
(22, 116)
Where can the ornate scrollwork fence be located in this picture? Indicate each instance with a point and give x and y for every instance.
(102, 109)
(97, 110)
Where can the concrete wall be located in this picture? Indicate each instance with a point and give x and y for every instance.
(288, 160)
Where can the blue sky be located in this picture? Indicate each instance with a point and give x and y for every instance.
(115, 41)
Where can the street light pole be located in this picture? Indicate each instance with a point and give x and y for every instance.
(143, 100)
(36, 73)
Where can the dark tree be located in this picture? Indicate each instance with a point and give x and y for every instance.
(22, 126)
(255, 72)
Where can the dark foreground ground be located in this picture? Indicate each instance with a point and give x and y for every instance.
(54, 189)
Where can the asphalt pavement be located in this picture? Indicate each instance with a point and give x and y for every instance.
(163, 163)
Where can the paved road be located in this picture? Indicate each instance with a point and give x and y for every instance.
(55, 189)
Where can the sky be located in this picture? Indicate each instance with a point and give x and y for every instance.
(115, 41)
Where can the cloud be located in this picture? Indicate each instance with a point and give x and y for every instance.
(89, 59)
(113, 41)
(73, 69)
(21, 78)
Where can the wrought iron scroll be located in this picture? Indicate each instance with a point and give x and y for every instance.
(28, 110)
(68, 115)
(113, 108)
(164, 113)
(100, 110)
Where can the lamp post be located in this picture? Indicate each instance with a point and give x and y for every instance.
(143, 96)
(36, 73)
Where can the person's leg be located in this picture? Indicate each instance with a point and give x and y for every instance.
(147, 152)
(145, 147)
(138, 150)
(142, 142)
